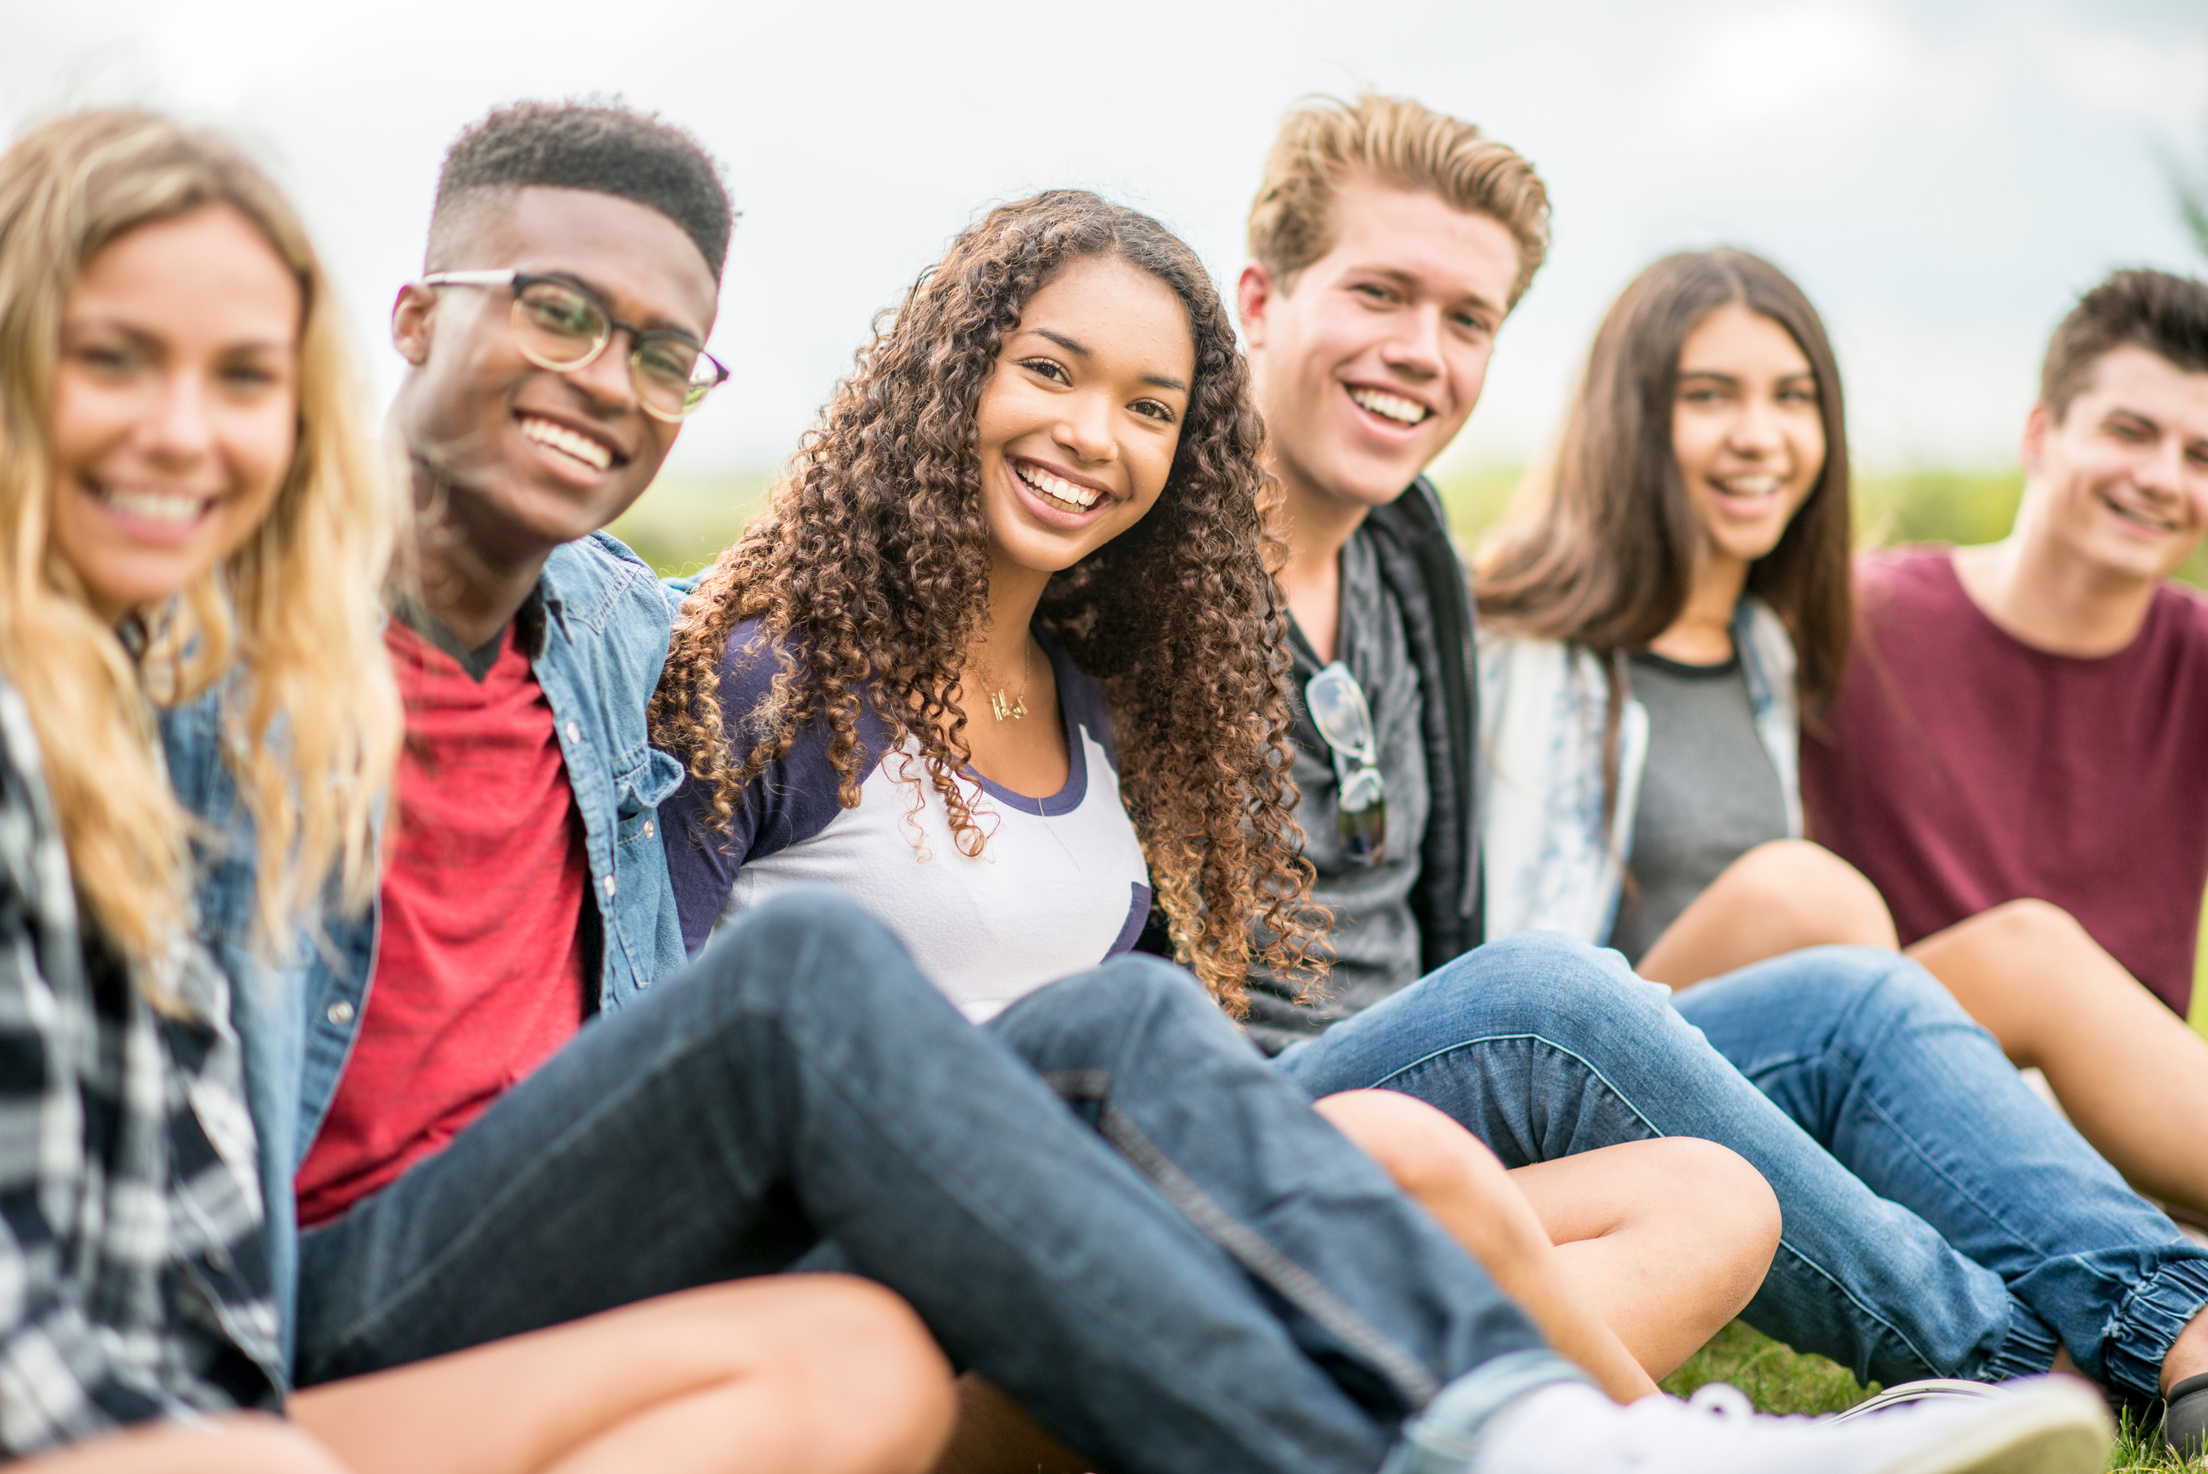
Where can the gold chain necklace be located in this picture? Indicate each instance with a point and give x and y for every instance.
(1013, 710)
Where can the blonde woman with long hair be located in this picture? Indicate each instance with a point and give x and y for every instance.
(194, 530)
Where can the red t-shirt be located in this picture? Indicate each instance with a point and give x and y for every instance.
(479, 970)
(1961, 768)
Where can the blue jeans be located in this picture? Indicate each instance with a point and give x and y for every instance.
(1939, 1219)
(1226, 1284)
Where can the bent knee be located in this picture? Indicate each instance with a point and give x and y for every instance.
(849, 1323)
(1819, 895)
(2029, 923)
(1423, 1150)
(1727, 1184)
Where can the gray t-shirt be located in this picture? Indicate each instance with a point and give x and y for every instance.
(1375, 936)
(1708, 792)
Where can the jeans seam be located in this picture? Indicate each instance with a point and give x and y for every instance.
(1569, 1053)
(1629, 1104)
(1283, 1275)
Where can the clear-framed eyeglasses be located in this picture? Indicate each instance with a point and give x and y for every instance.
(1344, 718)
(562, 327)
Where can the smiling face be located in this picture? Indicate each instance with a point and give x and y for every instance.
(2121, 481)
(1746, 430)
(1368, 365)
(530, 457)
(176, 405)
(1078, 424)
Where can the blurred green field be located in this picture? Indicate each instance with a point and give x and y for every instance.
(682, 523)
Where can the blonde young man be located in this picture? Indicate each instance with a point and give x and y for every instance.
(1390, 244)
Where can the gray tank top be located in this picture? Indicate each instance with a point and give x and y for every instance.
(1708, 792)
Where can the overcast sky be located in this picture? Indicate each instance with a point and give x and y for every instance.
(1942, 178)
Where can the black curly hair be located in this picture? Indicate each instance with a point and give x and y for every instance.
(870, 571)
(606, 148)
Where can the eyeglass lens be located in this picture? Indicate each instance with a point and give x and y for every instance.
(562, 330)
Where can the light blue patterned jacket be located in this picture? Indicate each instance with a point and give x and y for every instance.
(1549, 861)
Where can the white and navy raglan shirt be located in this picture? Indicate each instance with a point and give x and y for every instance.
(1059, 886)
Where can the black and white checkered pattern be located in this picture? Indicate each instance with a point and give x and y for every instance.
(134, 1280)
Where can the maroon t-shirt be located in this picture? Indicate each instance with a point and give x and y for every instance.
(479, 959)
(1961, 768)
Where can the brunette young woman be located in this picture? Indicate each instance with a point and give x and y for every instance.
(1004, 654)
(188, 506)
(1658, 626)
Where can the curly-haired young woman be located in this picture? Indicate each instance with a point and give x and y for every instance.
(1005, 652)
(187, 505)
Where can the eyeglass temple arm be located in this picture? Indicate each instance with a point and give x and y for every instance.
(470, 278)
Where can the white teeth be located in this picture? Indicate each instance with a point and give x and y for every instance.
(1748, 485)
(568, 442)
(2139, 516)
(1391, 406)
(1058, 488)
(153, 506)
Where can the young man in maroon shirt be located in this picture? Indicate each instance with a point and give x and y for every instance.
(2016, 756)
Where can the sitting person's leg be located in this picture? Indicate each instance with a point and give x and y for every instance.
(2124, 1067)
(798, 1374)
(1670, 1239)
(803, 1079)
(1546, 1048)
(1453, 1176)
(241, 1443)
(1877, 1063)
(2129, 1073)
(1776, 898)
(1629, 1258)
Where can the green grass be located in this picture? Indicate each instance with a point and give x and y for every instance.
(1781, 1381)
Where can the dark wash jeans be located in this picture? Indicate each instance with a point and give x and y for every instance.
(1226, 1284)
(1939, 1219)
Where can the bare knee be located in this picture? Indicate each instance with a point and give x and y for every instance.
(1820, 897)
(1729, 1193)
(2029, 925)
(855, 1343)
(1421, 1148)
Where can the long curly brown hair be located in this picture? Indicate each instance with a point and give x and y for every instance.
(869, 571)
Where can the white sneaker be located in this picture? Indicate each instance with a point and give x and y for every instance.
(2048, 1425)
(1927, 1389)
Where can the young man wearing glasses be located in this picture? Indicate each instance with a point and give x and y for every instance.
(1390, 242)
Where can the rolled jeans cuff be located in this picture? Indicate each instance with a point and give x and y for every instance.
(2148, 1322)
(2027, 1351)
(1442, 1438)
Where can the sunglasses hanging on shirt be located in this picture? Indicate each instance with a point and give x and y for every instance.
(1344, 718)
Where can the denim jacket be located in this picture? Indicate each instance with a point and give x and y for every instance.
(1550, 862)
(604, 641)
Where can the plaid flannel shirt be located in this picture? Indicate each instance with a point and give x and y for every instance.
(134, 1277)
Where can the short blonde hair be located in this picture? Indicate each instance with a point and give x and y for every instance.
(1398, 142)
(312, 729)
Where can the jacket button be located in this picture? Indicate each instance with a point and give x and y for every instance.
(574, 731)
(609, 885)
(339, 1013)
(647, 829)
